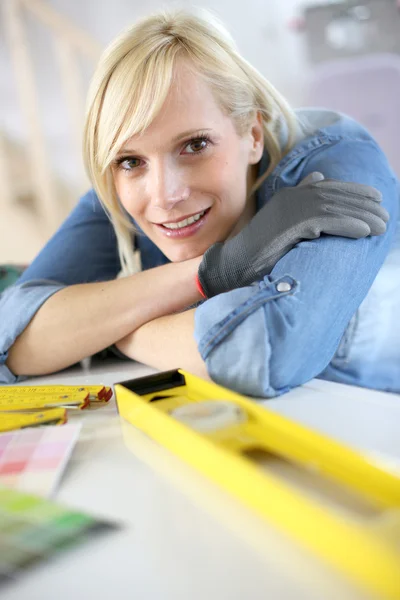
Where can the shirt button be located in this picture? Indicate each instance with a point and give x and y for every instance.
(283, 286)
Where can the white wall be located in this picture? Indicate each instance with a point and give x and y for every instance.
(260, 28)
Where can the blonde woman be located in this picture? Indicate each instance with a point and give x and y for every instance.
(262, 265)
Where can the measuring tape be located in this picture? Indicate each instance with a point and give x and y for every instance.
(53, 416)
(92, 392)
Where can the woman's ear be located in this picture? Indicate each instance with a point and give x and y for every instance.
(257, 139)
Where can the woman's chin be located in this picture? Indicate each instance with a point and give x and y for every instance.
(182, 256)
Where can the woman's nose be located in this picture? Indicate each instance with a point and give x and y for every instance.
(167, 186)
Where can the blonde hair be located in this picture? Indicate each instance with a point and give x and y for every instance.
(138, 66)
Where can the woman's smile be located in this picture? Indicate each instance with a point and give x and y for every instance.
(185, 227)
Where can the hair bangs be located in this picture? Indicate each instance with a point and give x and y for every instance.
(134, 98)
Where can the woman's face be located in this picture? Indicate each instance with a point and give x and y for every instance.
(185, 179)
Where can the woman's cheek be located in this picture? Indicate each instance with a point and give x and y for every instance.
(130, 197)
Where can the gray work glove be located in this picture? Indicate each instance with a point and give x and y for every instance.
(315, 206)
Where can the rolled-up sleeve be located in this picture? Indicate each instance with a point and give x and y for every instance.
(83, 250)
(18, 305)
(276, 334)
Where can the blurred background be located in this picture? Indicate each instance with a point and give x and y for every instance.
(343, 55)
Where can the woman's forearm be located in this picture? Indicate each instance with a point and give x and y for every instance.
(166, 343)
(83, 319)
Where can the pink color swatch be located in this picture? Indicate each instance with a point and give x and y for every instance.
(33, 459)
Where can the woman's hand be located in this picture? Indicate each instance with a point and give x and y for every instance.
(313, 207)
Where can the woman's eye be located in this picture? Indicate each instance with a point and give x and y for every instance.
(128, 164)
(196, 146)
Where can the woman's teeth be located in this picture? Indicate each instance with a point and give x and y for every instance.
(185, 222)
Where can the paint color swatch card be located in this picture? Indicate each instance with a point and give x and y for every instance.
(33, 530)
(34, 459)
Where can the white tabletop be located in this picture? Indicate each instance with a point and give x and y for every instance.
(182, 538)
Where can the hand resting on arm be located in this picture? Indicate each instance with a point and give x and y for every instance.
(293, 214)
(80, 320)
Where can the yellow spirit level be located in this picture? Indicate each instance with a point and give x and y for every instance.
(221, 433)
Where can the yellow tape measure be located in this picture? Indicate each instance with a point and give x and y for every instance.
(98, 393)
(221, 434)
(53, 416)
(24, 406)
(12, 401)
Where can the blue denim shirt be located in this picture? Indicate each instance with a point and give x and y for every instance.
(337, 318)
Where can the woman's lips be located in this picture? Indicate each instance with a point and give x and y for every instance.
(183, 232)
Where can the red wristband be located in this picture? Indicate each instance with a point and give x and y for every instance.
(199, 286)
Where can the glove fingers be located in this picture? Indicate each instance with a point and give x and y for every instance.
(357, 189)
(376, 209)
(376, 225)
(349, 227)
(361, 208)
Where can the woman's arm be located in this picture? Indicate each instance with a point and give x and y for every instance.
(166, 343)
(80, 320)
(68, 304)
(266, 339)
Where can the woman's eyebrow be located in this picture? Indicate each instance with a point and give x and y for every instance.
(177, 138)
(190, 132)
